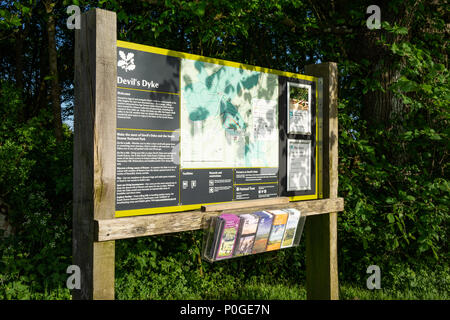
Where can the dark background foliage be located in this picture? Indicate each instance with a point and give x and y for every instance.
(393, 141)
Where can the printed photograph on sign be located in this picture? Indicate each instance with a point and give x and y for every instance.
(299, 165)
(299, 108)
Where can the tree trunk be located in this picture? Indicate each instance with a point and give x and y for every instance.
(19, 60)
(381, 106)
(20, 35)
(53, 65)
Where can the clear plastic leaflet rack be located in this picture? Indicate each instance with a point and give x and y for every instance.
(231, 235)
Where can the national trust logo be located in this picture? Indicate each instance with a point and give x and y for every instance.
(127, 61)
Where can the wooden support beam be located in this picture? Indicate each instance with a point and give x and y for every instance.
(132, 227)
(94, 150)
(321, 231)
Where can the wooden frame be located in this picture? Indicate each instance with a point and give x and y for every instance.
(95, 227)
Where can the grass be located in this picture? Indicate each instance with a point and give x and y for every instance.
(266, 289)
(171, 279)
(228, 290)
(254, 289)
(352, 292)
(142, 273)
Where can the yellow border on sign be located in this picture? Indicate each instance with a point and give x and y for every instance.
(178, 54)
(318, 172)
(175, 93)
(145, 130)
(140, 212)
(189, 56)
(247, 184)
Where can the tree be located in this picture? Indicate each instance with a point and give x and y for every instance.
(53, 65)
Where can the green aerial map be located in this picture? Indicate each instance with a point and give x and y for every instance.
(228, 116)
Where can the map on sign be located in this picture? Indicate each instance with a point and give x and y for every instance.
(228, 116)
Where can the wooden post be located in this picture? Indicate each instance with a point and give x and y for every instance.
(94, 150)
(321, 230)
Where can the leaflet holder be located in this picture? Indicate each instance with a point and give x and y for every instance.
(230, 235)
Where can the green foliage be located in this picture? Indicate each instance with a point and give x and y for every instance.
(394, 176)
(395, 179)
(35, 188)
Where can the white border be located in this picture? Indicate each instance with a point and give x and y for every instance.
(299, 85)
(296, 141)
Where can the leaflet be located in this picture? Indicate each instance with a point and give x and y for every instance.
(246, 235)
(291, 227)
(278, 227)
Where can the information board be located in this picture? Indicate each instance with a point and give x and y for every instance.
(193, 130)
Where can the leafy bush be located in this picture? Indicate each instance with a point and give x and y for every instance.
(395, 179)
(36, 189)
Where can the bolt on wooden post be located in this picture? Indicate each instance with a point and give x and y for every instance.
(94, 150)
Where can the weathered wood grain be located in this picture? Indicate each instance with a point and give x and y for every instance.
(94, 150)
(321, 231)
(132, 227)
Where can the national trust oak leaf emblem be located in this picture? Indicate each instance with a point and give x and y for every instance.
(127, 61)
